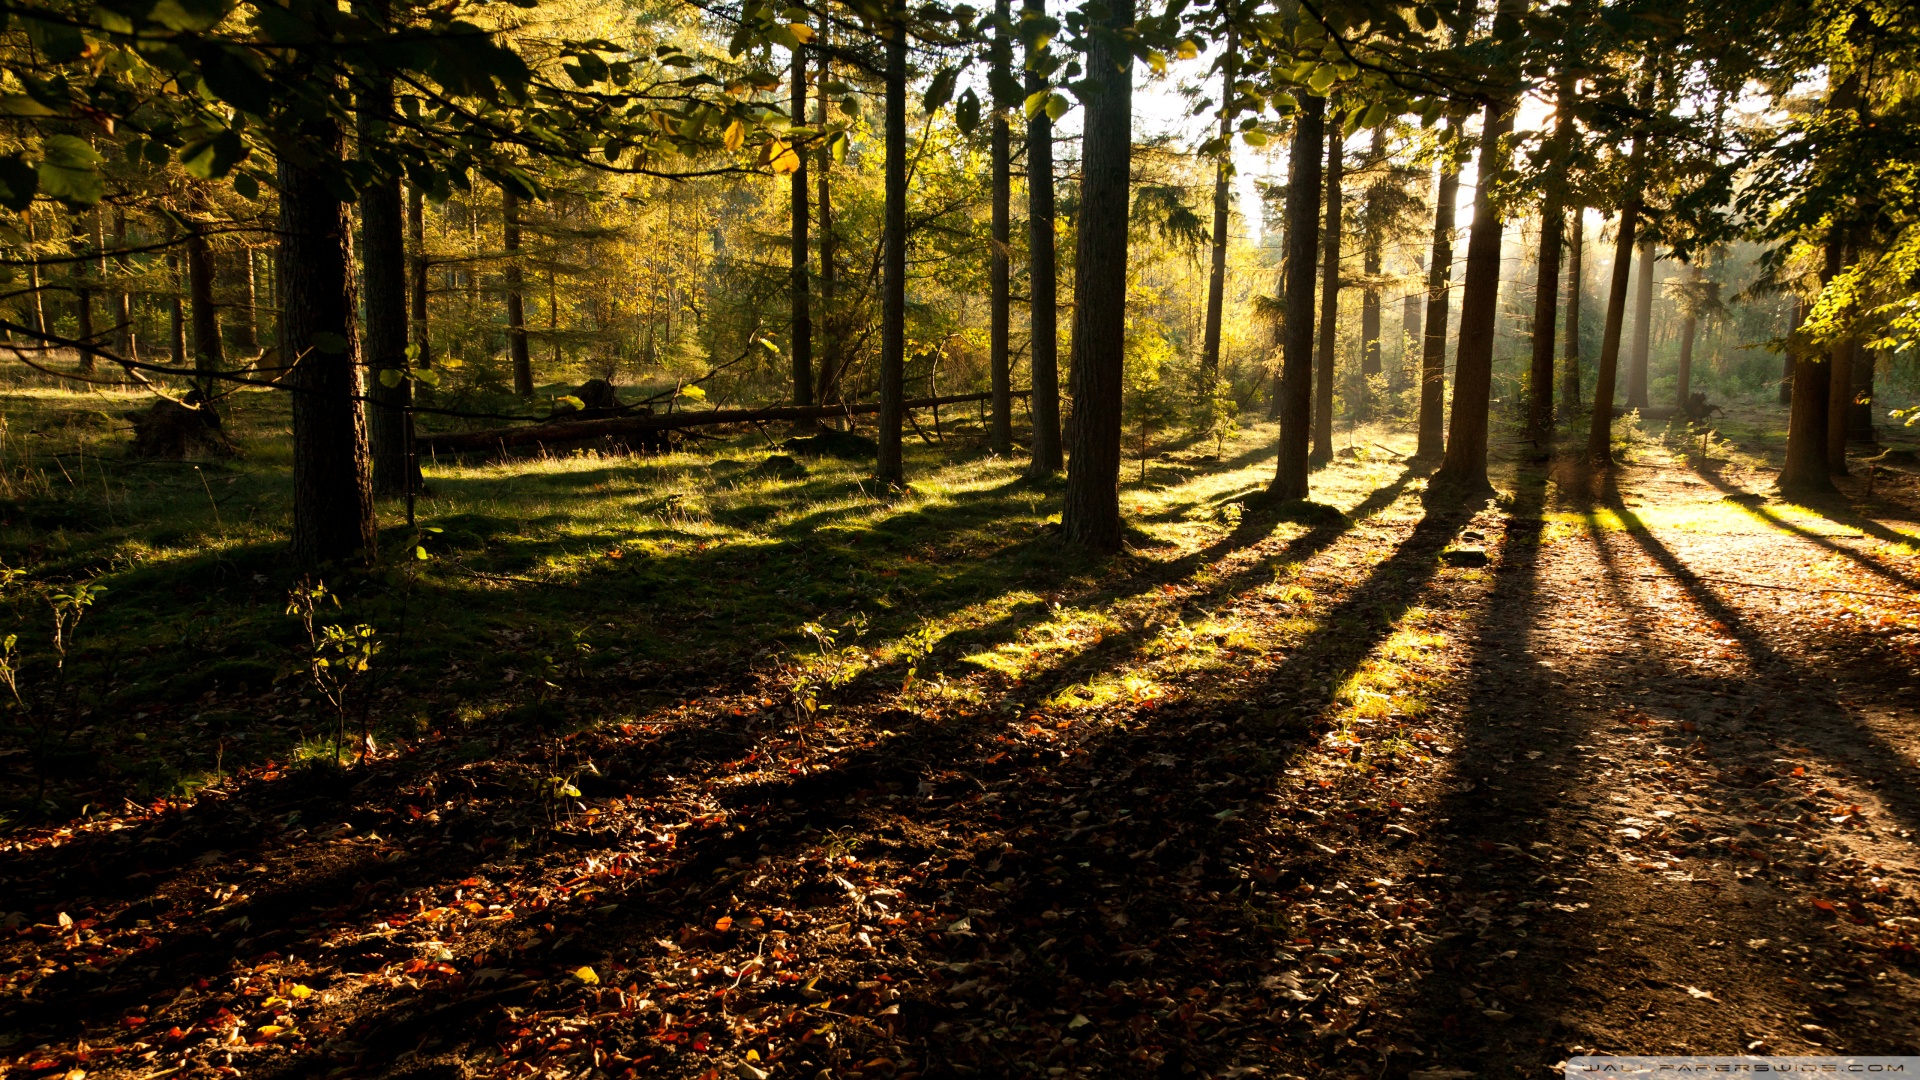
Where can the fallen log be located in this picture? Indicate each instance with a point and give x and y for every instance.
(568, 431)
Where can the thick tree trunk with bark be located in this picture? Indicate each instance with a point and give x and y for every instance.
(1222, 210)
(893, 259)
(1570, 364)
(417, 275)
(1000, 424)
(1689, 330)
(801, 345)
(1043, 348)
(1546, 302)
(1465, 462)
(1642, 326)
(383, 283)
(516, 302)
(1296, 349)
(333, 518)
(1839, 402)
(1805, 470)
(1091, 516)
(1329, 295)
(1431, 440)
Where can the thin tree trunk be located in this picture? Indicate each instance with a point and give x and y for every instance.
(829, 391)
(1431, 439)
(1222, 209)
(333, 520)
(208, 355)
(891, 466)
(1464, 464)
(1600, 432)
(1329, 295)
(1794, 319)
(1000, 426)
(1411, 326)
(1860, 414)
(1370, 299)
(39, 309)
(516, 303)
(1642, 326)
(1570, 370)
(1091, 515)
(176, 313)
(1043, 345)
(383, 283)
(417, 286)
(83, 290)
(1546, 301)
(799, 287)
(1683, 374)
(126, 341)
(1296, 359)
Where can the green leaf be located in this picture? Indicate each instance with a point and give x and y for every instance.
(940, 90)
(1057, 106)
(391, 377)
(22, 105)
(188, 14)
(214, 156)
(70, 170)
(1036, 101)
(245, 186)
(966, 114)
(1429, 18)
(18, 182)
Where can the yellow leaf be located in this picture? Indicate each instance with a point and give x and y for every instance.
(588, 975)
(271, 1029)
(801, 31)
(1157, 60)
(782, 159)
(735, 137)
(300, 991)
(1187, 50)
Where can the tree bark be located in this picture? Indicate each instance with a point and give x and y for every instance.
(1860, 415)
(208, 354)
(1411, 325)
(333, 520)
(83, 290)
(1043, 346)
(1546, 301)
(1570, 370)
(1222, 210)
(126, 341)
(1642, 326)
(1329, 294)
(1091, 516)
(417, 275)
(801, 351)
(1600, 431)
(1794, 319)
(1296, 348)
(383, 283)
(1433, 352)
(1370, 299)
(176, 313)
(1464, 464)
(1000, 426)
(1805, 470)
(891, 467)
(1839, 402)
(516, 302)
(1689, 329)
(829, 389)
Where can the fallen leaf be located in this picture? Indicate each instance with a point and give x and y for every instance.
(587, 975)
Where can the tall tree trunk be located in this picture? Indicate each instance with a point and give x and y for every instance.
(1433, 352)
(1546, 302)
(1797, 316)
(1329, 295)
(1642, 326)
(208, 354)
(176, 313)
(126, 341)
(1043, 405)
(1465, 462)
(1570, 368)
(1689, 329)
(417, 274)
(829, 390)
(1091, 515)
(1600, 432)
(1222, 209)
(1839, 402)
(799, 288)
(333, 519)
(1000, 427)
(1370, 299)
(1860, 415)
(893, 259)
(83, 290)
(1411, 326)
(1296, 350)
(516, 303)
(383, 283)
(39, 310)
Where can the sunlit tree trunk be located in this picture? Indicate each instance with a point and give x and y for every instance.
(1794, 319)
(1600, 431)
(1329, 295)
(1642, 326)
(893, 259)
(1839, 402)
(1689, 329)
(1044, 341)
(1222, 209)
(1000, 425)
(802, 336)
(1091, 516)
(1464, 464)
(176, 313)
(516, 303)
(1411, 326)
(1370, 299)
(1431, 439)
(829, 388)
(1296, 359)
(333, 519)
(1570, 366)
(1546, 305)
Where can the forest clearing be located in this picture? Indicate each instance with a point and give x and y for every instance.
(603, 539)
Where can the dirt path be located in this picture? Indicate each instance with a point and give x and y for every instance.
(1326, 798)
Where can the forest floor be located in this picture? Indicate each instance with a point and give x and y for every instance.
(1617, 764)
